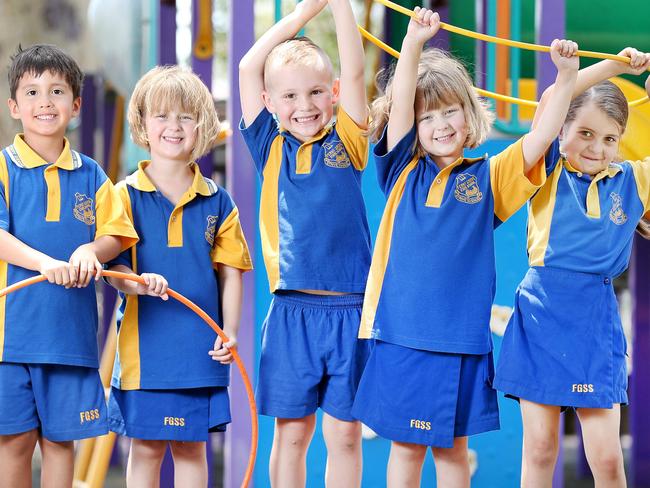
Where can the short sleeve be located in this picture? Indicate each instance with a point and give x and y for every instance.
(230, 246)
(259, 137)
(354, 138)
(641, 171)
(125, 257)
(4, 194)
(111, 216)
(390, 164)
(512, 187)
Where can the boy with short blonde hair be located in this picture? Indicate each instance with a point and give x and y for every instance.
(315, 236)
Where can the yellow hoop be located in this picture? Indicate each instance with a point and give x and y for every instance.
(496, 40)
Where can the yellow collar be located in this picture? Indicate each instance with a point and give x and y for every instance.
(201, 185)
(610, 171)
(459, 161)
(24, 156)
(321, 134)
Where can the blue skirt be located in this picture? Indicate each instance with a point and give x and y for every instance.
(564, 344)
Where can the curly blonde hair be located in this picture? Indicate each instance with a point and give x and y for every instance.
(165, 88)
(441, 80)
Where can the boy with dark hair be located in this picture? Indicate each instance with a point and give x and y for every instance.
(61, 217)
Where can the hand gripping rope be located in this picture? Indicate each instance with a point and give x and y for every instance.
(496, 40)
(197, 310)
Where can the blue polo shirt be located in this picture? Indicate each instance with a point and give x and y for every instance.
(163, 344)
(312, 215)
(432, 278)
(54, 207)
(583, 223)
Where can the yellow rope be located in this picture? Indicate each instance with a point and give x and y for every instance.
(497, 40)
(484, 93)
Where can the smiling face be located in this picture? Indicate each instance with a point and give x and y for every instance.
(171, 134)
(590, 141)
(442, 132)
(44, 104)
(302, 97)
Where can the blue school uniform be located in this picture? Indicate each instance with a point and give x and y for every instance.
(48, 334)
(315, 236)
(163, 345)
(432, 281)
(564, 344)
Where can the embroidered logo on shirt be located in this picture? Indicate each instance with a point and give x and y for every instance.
(582, 388)
(83, 209)
(616, 214)
(335, 155)
(211, 229)
(467, 190)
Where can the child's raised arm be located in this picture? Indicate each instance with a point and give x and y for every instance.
(402, 114)
(603, 70)
(251, 67)
(547, 125)
(351, 55)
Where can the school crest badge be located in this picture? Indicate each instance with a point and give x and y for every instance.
(335, 155)
(211, 229)
(467, 190)
(616, 214)
(84, 209)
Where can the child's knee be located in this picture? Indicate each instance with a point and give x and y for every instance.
(407, 451)
(608, 464)
(193, 450)
(148, 450)
(295, 434)
(342, 435)
(18, 445)
(541, 449)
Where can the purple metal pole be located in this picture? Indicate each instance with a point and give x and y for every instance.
(167, 32)
(241, 179)
(109, 294)
(203, 68)
(550, 23)
(88, 116)
(639, 384)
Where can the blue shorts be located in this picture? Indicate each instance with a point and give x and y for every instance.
(311, 356)
(425, 397)
(64, 402)
(169, 415)
(564, 344)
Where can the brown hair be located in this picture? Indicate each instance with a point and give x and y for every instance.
(171, 87)
(40, 58)
(441, 80)
(607, 97)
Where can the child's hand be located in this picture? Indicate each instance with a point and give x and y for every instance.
(424, 25)
(639, 62)
(221, 352)
(58, 272)
(308, 9)
(647, 85)
(155, 286)
(563, 54)
(85, 263)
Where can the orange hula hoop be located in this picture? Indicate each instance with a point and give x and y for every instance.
(206, 318)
